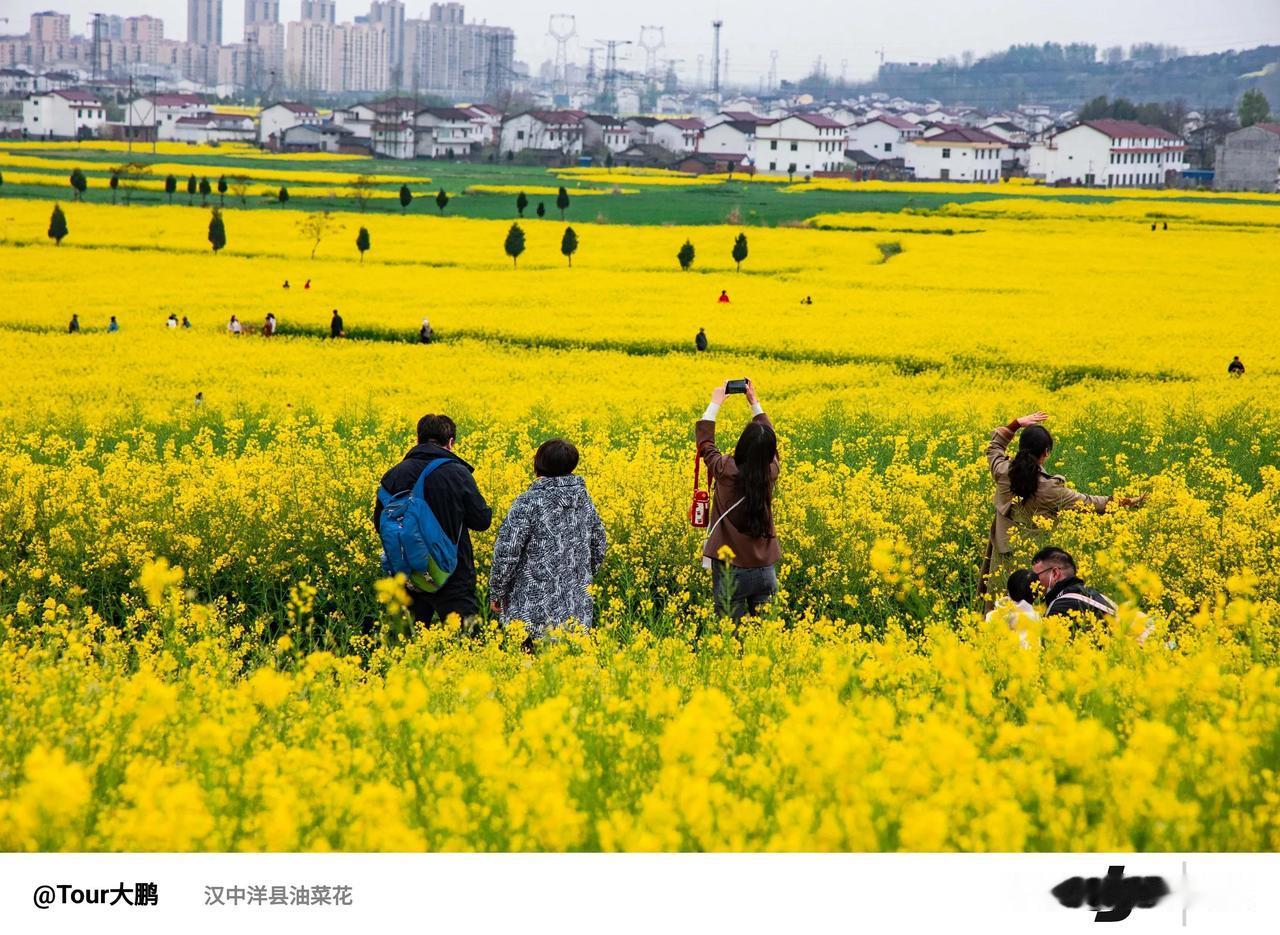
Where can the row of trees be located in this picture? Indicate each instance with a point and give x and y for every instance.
(562, 202)
(317, 225)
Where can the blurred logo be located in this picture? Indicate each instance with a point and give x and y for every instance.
(1113, 896)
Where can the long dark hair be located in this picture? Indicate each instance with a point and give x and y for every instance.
(1024, 472)
(754, 454)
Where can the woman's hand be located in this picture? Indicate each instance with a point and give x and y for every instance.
(717, 395)
(751, 393)
(1034, 418)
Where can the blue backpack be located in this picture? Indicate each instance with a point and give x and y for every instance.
(413, 543)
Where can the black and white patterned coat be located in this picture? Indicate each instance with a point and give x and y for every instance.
(548, 550)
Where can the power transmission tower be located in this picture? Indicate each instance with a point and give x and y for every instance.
(773, 69)
(497, 77)
(561, 27)
(715, 58)
(609, 91)
(652, 41)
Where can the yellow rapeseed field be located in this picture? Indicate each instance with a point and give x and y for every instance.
(196, 651)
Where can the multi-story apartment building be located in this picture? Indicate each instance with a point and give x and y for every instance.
(360, 57)
(204, 22)
(444, 54)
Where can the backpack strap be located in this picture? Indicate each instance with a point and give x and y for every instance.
(421, 485)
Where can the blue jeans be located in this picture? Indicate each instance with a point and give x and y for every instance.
(744, 590)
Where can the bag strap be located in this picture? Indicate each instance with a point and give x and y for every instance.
(421, 485)
(697, 466)
(720, 519)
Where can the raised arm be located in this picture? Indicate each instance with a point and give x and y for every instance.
(998, 447)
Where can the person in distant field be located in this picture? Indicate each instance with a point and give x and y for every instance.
(549, 548)
(724, 296)
(1236, 367)
(1153, 225)
(269, 326)
(307, 284)
(200, 397)
(286, 284)
(1165, 225)
(425, 334)
(741, 535)
(74, 326)
(113, 325)
(171, 321)
(700, 340)
(186, 322)
(233, 326)
(807, 300)
(1066, 594)
(452, 495)
(335, 325)
(1024, 491)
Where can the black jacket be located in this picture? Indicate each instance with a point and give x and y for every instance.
(1073, 596)
(335, 326)
(454, 498)
(700, 341)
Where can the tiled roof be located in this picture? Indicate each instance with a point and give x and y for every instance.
(1128, 130)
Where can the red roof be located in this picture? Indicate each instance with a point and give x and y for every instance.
(79, 96)
(573, 117)
(820, 120)
(962, 135)
(686, 123)
(175, 100)
(893, 120)
(1269, 127)
(296, 107)
(1128, 130)
(744, 116)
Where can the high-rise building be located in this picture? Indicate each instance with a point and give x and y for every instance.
(143, 29)
(204, 22)
(320, 11)
(308, 57)
(50, 27)
(390, 14)
(260, 12)
(444, 54)
(360, 57)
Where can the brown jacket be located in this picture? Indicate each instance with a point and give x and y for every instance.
(747, 551)
(1051, 497)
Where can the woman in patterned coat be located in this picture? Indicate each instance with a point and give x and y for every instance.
(549, 548)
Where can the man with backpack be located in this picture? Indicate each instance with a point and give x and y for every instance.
(433, 472)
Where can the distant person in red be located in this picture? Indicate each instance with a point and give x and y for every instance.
(307, 284)
(724, 297)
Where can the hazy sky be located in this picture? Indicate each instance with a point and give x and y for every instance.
(847, 35)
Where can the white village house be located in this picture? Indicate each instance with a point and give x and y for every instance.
(604, 130)
(809, 142)
(733, 139)
(547, 131)
(277, 118)
(1109, 154)
(215, 128)
(67, 113)
(161, 112)
(443, 133)
(678, 134)
(883, 137)
(956, 154)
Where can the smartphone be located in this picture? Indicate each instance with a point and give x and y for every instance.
(736, 386)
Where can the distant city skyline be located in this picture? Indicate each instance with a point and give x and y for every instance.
(924, 30)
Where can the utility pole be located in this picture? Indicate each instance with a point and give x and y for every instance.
(715, 59)
(773, 69)
(96, 26)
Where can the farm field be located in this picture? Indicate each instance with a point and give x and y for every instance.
(192, 625)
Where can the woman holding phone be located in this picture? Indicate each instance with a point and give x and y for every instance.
(744, 578)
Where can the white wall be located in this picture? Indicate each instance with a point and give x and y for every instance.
(46, 114)
(791, 140)
(723, 138)
(961, 162)
(876, 139)
(277, 119)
